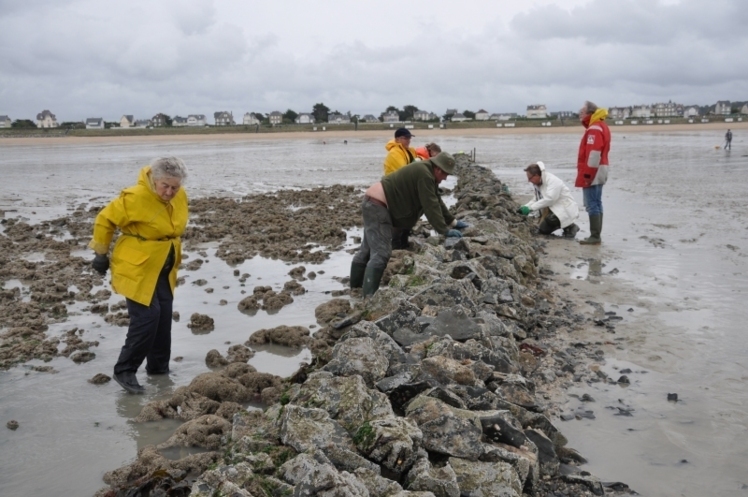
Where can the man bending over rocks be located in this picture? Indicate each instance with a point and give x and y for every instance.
(398, 201)
(554, 201)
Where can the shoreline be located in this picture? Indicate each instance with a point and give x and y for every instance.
(718, 127)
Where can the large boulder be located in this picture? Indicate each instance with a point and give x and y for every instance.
(439, 480)
(303, 429)
(392, 442)
(359, 356)
(486, 479)
(446, 430)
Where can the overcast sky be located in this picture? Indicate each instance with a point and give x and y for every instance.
(101, 58)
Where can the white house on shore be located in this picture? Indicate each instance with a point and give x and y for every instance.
(179, 121)
(370, 118)
(537, 111)
(337, 118)
(304, 118)
(690, 111)
(250, 119)
(502, 116)
(142, 123)
(641, 111)
(744, 109)
(200, 120)
(481, 115)
(459, 117)
(5, 122)
(95, 123)
(722, 107)
(424, 115)
(224, 118)
(667, 109)
(126, 121)
(619, 112)
(45, 119)
(391, 116)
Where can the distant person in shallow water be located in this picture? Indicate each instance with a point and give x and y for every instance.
(553, 201)
(151, 217)
(728, 140)
(428, 151)
(592, 166)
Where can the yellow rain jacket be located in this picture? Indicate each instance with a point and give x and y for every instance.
(149, 227)
(397, 157)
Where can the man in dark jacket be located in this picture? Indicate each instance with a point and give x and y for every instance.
(398, 201)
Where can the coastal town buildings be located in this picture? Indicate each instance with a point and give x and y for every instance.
(502, 116)
(619, 112)
(424, 115)
(142, 123)
(199, 120)
(45, 119)
(337, 118)
(744, 109)
(722, 107)
(304, 118)
(536, 112)
(459, 117)
(370, 118)
(391, 116)
(690, 111)
(450, 112)
(481, 115)
(250, 119)
(5, 122)
(126, 121)
(668, 109)
(224, 118)
(641, 111)
(95, 123)
(179, 121)
(159, 120)
(564, 114)
(275, 117)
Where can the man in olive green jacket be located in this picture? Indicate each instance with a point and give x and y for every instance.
(399, 200)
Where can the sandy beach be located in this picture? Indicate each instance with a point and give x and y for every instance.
(332, 134)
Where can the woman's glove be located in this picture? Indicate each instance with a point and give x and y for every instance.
(100, 263)
(454, 233)
(524, 210)
(461, 225)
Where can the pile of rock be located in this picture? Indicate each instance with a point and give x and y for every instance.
(430, 388)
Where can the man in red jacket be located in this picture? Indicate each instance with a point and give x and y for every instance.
(592, 166)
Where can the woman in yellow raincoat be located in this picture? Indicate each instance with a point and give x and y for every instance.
(151, 216)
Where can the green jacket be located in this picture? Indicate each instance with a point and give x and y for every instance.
(411, 191)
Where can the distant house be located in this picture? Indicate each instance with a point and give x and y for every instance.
(563, 114)
(250, 119)
(669, 109)
(619, 112)
(459, 117)
(337, 118)
(45, 119)
(503, 116)
(199, 120)
(179, 121)
(424, 115)
(304, 118)
(275, 117)
(159, 120)
(95, 123)
(451, 112)
(126, 121)
(537, 112)
(722, 107)
(143, 123)
(481, 115)
(391, 116)
(224, 118)
(370, 118)
(5, 122)
(691, 111)
(641, 111)
(744, 109)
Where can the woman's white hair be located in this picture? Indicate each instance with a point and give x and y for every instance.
(168, 167)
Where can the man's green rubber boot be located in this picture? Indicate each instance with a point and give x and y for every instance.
(372, 277)
(357, 274)
(596, 227)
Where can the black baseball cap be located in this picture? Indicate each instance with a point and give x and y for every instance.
(403, 132)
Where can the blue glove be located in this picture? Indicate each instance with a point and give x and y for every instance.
(100, 263)
(461, 225)
(454, 233)
(524, 210)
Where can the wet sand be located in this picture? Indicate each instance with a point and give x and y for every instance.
(670, 254)
(332, 134)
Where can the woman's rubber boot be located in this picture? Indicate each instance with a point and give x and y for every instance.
(596, 226)
(372, 277)
(357, 275)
